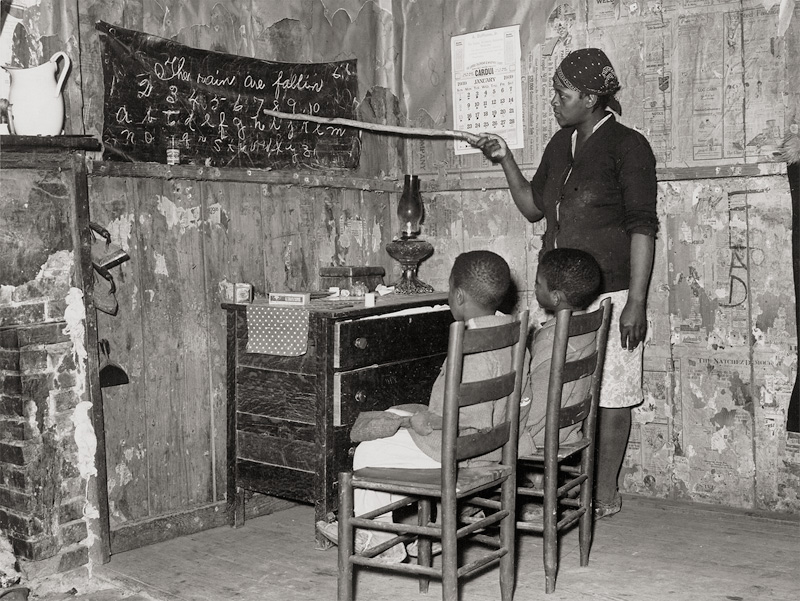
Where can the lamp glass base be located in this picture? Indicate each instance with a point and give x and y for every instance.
(409, 253)
(409, 283)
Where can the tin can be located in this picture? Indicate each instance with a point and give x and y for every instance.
(227, 290)
(243, 293)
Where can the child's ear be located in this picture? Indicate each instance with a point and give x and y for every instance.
(559, 299)
(458, 296)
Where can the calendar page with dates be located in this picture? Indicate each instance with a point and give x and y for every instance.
(487, 93)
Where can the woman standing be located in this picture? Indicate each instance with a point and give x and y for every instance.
(596, 187)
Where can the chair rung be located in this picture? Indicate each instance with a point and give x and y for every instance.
(397, 527)
(481, 523)
(484, 539)
(571, 517)
(371, 552)
(531, 526)
(561, 492)
(483, 502)
(406, 568)
(481, 561)
(571, 484)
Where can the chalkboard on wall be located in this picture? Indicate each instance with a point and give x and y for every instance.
(161, 94)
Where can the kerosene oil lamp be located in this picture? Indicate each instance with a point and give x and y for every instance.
(408, 249)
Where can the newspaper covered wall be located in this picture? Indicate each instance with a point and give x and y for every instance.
(713, 87)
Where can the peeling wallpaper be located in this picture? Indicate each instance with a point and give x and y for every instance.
(722, 358)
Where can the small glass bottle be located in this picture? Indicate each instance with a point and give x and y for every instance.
(173, 152)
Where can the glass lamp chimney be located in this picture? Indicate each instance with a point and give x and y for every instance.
(410, 209)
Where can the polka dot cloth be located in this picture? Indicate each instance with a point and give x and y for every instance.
(277, 330)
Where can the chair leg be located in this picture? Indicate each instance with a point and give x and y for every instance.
(550, 562)
(586, 521)
(346, 537)
(508, 529)
(550, 542)
(424, 557)
(449, 520)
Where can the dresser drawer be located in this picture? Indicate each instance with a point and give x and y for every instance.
(276, 394)
(363, 342)
(276, 441)
(381, 386)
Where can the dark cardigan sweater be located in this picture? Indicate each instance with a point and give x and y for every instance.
(610, 194)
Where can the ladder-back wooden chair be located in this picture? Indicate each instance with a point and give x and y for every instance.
(453, 484)
(568, 467)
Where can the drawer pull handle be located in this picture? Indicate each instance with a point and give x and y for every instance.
(361, 396)
(361, 343)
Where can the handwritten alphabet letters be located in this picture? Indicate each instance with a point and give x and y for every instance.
(161, 94)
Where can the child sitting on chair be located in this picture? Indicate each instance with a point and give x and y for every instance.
(411, 434)
(567, 278)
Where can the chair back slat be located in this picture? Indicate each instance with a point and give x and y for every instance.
(574, 371)
(573, 414)
(580, 368)
(490, 339)
(480, 443)
(472, 393)
(585, 323)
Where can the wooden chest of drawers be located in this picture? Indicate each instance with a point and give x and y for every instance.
(289, 418)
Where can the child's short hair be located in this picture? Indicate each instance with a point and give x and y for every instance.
(484, 275)
(574, 272)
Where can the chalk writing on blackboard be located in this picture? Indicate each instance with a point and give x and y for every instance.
(160, 94)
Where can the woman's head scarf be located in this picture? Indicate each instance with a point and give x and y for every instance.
(588, 70)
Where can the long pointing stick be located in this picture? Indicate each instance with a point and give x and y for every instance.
(394, 129)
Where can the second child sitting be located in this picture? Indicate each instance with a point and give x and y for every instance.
(567, 278)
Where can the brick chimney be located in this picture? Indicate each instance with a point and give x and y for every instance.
(48, 477)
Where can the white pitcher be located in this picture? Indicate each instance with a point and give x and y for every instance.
(35, 104)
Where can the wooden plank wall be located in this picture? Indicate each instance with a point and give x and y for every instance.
(165, 432)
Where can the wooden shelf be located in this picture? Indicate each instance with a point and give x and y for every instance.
(49, 143)
(335, 179)
(306, 179)
(44, 152)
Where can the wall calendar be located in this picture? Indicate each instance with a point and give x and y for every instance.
(487, 95)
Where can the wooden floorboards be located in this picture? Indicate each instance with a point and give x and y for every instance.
(651, 551)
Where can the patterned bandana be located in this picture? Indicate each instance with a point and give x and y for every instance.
(588, 70)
